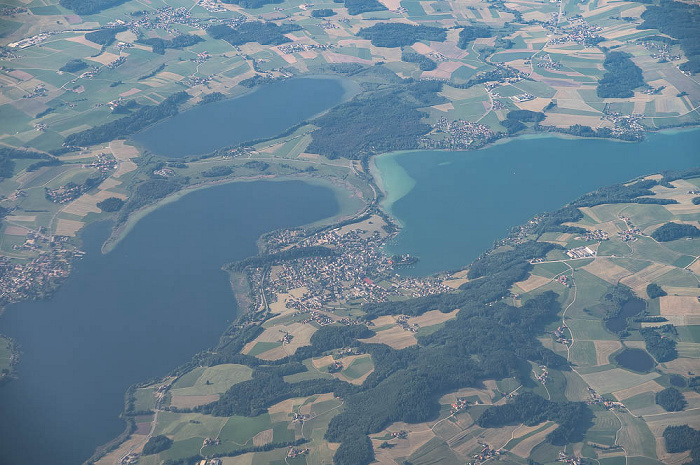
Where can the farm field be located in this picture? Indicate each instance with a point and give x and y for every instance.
(336, 353)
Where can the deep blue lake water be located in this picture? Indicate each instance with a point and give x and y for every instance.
(453, 205)
(143, 309)
(264, 112)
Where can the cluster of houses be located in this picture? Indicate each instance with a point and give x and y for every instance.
(24, 281)
(295, 452)
(485, 454)
(458, 406)
(546, 62)
(403, 322)
(565, 280)
(632, 231)
(460, 134)
(597, 399)
(352, 273)
(288, 49)
(579, 31)
(543, 376)
(33, 40)
(596, 235)
(568, 459)
(560, 336)
(211, 442)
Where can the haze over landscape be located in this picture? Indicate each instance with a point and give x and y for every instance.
(272, 232)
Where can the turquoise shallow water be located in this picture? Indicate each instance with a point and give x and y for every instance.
(453, 205)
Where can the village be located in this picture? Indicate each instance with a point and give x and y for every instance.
(40, 276)
(358, 272)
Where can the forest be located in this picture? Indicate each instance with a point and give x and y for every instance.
(672, 231)
(654, 291)
(73, 66)
(253, 31)
(573, 418)
(469, 33)
(355, 7)
(683, 438)
(104, 36)
(424, 63)
(400, 34)
(515, 119)
(9, 154)
(128, 125)
(621, 78)
(159, 45)
(671, 400)
(389, 119)
(680, 20)
(322, 13)
(148, 192)
(88, 7)
(110, 204)
(157, 444)
(662, 348)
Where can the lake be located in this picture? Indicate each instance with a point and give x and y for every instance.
(264, 112)
(635, 359)
(453, 205)
(148, 306)
(631, 308)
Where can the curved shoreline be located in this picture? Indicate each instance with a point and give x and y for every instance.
(344, 202)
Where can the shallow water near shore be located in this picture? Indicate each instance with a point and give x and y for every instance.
(453, 205)
(136, 313)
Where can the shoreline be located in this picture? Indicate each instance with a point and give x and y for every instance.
(344, 202)
(349, 88)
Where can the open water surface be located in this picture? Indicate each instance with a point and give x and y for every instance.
(453, 205)
(136, 313)
(264, 112)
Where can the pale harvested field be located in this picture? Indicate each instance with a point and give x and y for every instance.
(695, 267)
(682, 366)
(443, 71)
(534, 105)
(658, 423)
(616, 379)
(68, 227)
(21, 218)
(533, 282)
(607, 270)
(395, 337)
(16, 231)
(245, 459)
(679, 305)
(445, 107)
(332, 57)
(432, 317)
(418, 435)
(263, 437)
(367, 227)
(124, 153)
(192, 401)
(384, 320)
(564, 120)
(485, 396)
(105, 58)
(525, 446)
(322, 362)
(115, 456)
(649, 386)
(604, 349)
(83, 41)
(646, 276)
(130, 92)
(455, 283)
